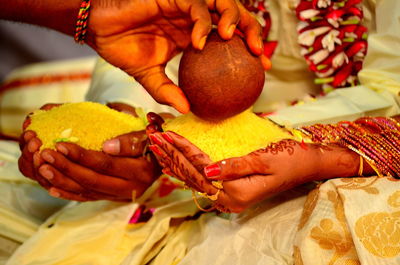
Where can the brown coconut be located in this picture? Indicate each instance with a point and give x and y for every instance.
(222, 80)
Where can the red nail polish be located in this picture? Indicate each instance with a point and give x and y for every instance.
(155, 139)
(168, 138)
(155, 150)
(212, 171)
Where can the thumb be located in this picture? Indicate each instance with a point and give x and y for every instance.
(162, 89)
(129, 144)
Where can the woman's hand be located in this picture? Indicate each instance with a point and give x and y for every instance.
(140, 37)
(71, 172)
(253, 177)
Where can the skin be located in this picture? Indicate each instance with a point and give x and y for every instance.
(261, 174)
(124, 169)
(141, 36)
(247, 179)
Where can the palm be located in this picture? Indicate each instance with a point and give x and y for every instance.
(145, 48)
(140, 37)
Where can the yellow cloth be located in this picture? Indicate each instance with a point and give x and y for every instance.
(351, 221)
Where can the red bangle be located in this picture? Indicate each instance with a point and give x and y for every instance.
(81, 23)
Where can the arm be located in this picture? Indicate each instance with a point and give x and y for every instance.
(55, 14)
(369, 145)
(254, 177)
(125, 32)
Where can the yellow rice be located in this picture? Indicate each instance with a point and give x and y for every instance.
(235, 136)
(88, 124)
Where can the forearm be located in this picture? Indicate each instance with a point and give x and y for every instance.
(59, 15)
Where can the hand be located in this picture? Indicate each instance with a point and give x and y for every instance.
(140, 37)
(75, 173)
(253, 177)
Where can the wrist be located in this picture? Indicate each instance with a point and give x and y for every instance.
(338, 162)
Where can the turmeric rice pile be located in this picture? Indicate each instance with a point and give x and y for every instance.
(88, 124)
(235, 136)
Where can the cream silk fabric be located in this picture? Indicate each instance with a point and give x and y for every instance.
(343, 221)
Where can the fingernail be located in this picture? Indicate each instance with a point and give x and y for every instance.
(112, 146)
(260, 44)
(36, 159)
(202, 42)
(155, 139)
(49, 158)
(231, 30)
(155, 150)
(28, 136)
(32, 147)
(54, 193)
(47, 174)
(167, 138)
(62, 149)
(212, 170)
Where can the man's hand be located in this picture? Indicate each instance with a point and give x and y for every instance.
(253, 177)
(140, 37)
(74, 173)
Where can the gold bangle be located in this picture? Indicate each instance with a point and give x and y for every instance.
(212, 208)
(361, 167)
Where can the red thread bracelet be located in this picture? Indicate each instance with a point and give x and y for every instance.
(81, 23)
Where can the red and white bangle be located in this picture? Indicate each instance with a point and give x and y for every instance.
(81, 23)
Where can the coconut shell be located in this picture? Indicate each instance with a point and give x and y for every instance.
(222, 80)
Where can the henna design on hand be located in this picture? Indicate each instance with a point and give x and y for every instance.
(282, 146)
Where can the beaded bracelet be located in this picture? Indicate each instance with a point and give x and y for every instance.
(376, 139)
(81, 23)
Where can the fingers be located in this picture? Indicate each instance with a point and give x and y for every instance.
(229, 14)
(25, 138)
(202, 24)
(162, 89)
(86, 177)
(266, 62)
(129, 144)
(154, 118)
(233, 168)
(68, 188)
(155, 123)
(172, 158)
(198, 158)
(118, 167)
(57, 179)
(67, 195)
(122, 107)
(26, 161)
(252, 31)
